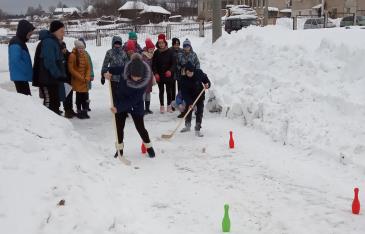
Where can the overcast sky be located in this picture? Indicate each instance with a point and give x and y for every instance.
(20, 6)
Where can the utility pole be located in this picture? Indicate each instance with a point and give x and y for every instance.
(217, 19)
(266, 13)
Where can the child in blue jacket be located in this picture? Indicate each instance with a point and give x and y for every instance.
(129, 99)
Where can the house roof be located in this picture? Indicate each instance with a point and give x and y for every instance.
(66, 10)
(155, 9)
(131, 5)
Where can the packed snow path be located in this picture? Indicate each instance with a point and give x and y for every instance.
(271, 188)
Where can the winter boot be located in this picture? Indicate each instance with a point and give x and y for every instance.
(80, 114)
(86, 116)
(147, 108)
(119, 147)
(69, 114)
(150, 150)
(162, 109)
(187, 128)
(87, 105)
(169, 109)
(198, 126)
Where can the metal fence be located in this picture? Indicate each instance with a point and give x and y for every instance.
(102, 37)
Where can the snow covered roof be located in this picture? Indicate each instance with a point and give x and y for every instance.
(240, 10)
(175, 16)
(66, 10)
(155, 9)
(285, 10)
(273, 9)
(131, 5)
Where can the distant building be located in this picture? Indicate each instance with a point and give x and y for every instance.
(64, 11)
(143, 12)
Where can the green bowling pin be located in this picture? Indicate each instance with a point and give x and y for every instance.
(226, 223)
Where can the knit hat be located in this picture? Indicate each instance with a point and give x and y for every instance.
(149, 44)
(131, 45)
(162, 37)
(186, 43)
(55, 26)
(83, 41)
(132, 36)
(79, 44)
(190, 67)
(175, 41)
(136, 65)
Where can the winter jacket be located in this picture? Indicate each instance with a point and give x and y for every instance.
(20, 63)
(163, 60)
(114, 58)
(147, 58)
(92, 75)
(138, 48)
(192, 86)
(130, 93)
(80, 73)
(184, 58)
(177, 73)
(68, 74)
(51, 66)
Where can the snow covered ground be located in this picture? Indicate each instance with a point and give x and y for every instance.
(303, 88)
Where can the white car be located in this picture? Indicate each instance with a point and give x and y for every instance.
(315, 23)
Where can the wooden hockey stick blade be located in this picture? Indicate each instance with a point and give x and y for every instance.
(166, 136)
(124, 160)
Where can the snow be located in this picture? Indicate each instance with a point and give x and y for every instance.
(131, 5)
(66, 10)
(304, 88)
(3, 32)
(155, 9)
(273, 9)
(285, 10)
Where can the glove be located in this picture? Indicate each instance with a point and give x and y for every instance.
(167, 74)
(102, 80)
(157, 77)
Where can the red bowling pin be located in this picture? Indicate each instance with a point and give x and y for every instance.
(143, 148)
(356, 202)
(231, 141)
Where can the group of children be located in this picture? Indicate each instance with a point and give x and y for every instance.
(132, 73)
(131, 70)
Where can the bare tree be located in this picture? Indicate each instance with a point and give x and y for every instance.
(51, 9)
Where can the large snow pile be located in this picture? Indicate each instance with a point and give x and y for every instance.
(3, 32)
(40, 164)
(303, 88)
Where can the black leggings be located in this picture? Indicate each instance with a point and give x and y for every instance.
(81, 101)
(51, 98)
(138, 123)
(169, 91)
(199, 115)
(22, 87)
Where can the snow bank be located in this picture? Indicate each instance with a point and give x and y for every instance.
(3, 32)
(303, 88)
(40, 164)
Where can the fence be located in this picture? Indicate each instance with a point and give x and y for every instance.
(102, 37)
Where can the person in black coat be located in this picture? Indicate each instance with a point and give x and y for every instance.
(192, 83)
(129, 99)
(67, 104)
(163, 66)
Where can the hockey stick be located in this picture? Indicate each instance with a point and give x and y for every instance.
(121, 157)
(169, 136)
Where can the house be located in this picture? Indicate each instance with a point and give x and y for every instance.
(131, 9)
(154, 14)
(339, 8)
(143, 13)
(66, 11)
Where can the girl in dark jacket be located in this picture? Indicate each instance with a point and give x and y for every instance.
(129, 99)
(163, 66)
(147, 56)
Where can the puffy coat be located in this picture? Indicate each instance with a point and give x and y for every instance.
(80, 73)
(20, 63)
(130, 93)
(115, 58)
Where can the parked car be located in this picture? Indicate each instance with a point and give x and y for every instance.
(237, 22)
(314, 23)
(349, 21)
